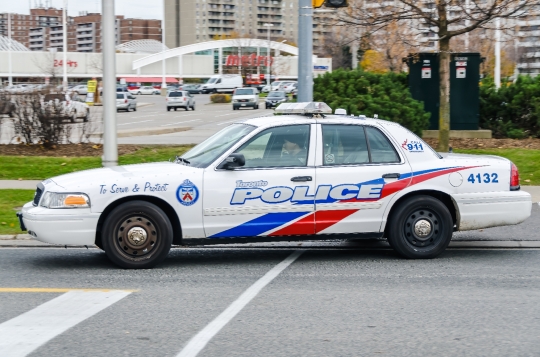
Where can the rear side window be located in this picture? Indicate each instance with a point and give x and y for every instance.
(382, 151)
(356, 144)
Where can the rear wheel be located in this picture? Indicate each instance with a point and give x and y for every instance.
(186, 108)
(193, 106)
(137, 235)
(420, 228)
(168, 109)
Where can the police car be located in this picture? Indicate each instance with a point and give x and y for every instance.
(302, 174)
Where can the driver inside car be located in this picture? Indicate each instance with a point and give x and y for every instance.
(294, 151)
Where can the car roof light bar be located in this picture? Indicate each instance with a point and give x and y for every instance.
(304, 108)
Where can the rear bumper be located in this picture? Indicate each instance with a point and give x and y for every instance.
(492, 209)
(63, 226)
(177, 104)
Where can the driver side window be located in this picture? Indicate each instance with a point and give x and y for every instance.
(285, 146)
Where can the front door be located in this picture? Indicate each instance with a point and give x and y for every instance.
(360, 172)
(272, 195)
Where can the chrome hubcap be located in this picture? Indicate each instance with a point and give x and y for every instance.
(422, 228)
(137, 236)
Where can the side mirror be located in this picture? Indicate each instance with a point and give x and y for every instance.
(233, 161)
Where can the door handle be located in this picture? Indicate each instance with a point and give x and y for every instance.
(393, 175)
(301, 178)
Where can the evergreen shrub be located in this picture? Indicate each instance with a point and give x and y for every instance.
(365, 93)
(220, 98)
(513, 111)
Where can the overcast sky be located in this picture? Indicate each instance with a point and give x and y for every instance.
(144, 9)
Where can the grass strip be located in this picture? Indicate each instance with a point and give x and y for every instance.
(12, 201)
(527, 161)
(42, 167)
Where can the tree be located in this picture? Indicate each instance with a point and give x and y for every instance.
(444, 20)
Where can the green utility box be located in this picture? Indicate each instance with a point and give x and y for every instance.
(464, 87)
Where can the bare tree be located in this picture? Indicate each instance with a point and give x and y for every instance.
(444, 19)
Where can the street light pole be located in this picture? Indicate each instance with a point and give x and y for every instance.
(268, 25)
(498, 53)
(64, 45)
(9, 51)
(110, 145)
(163, 82)
(305, 51)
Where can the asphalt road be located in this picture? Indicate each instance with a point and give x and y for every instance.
(206, 120)
(329, 302)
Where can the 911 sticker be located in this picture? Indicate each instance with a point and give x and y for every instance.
(484, 178)
(412, 146)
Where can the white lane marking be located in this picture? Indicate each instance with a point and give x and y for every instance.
(25, 333)
(180, 122)
(224, 115)
(199, 341)
(135, 122)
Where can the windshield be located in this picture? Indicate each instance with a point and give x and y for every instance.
(211, 80)
(209, 150)
(243, 92)
(276, 83)
(276, 94)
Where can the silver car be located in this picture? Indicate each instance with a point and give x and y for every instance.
(180, 99)
(126, 101)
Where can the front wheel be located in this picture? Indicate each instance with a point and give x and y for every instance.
(137, 235)
(420, 228)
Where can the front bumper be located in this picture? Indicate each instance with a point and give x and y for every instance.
(272, 104)
(60, 226)
(245, 104)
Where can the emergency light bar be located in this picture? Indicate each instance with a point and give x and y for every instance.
(306, 108)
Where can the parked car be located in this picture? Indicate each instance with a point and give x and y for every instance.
(64, 106)
(192, 88)
(125, 101)
(119, 89)
(223, 83)
(294, 93)
(288, 87)
(275, 98)
(266, 89)
(245, 98)
(81, 89)
(180, 99)
(275, 85)
(148, 90)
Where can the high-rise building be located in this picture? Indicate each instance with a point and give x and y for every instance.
(529, 42)
(43, 30)
(192, 21)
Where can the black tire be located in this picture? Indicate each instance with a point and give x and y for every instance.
(174, 108)
(138, 93)
(438, 228)
(256, 107)
(193, 106)
(144, 250)
(186, 108)
(168, 109)
(135, 109)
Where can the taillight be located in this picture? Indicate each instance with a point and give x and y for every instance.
(125, 100)
(514, 178)
(184, 99)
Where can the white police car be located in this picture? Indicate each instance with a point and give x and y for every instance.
(289, 177)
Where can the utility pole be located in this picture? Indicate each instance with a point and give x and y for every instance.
(268, 26)
(305, 51)
(110, 145)
(9, 51)
(498, 53)
(163, 81)
(64, 45)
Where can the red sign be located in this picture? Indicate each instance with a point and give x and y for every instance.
(248, 60)
(60, 63)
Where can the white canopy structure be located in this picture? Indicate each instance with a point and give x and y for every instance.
(142, 47)
(15, 45)
(210, 45)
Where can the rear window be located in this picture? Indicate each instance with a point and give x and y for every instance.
(49, 97)
(177, 94)
(119, 96)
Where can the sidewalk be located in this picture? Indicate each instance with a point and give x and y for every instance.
(31, 185)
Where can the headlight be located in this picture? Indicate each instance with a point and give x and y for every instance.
(235, 101)
(252, 100)
(65, 200)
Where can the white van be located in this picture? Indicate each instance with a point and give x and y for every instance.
(222, 83)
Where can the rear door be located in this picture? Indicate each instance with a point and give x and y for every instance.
(358, 173)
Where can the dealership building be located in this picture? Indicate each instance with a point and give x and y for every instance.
(143, 60)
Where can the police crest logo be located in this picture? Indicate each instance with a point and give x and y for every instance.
(187, 193)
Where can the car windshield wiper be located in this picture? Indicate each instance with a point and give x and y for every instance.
(181, 160)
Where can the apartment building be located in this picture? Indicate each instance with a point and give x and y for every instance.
(193, 21)
(529, 42)
(43, 30)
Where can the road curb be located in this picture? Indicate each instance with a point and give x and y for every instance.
(146, 132)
